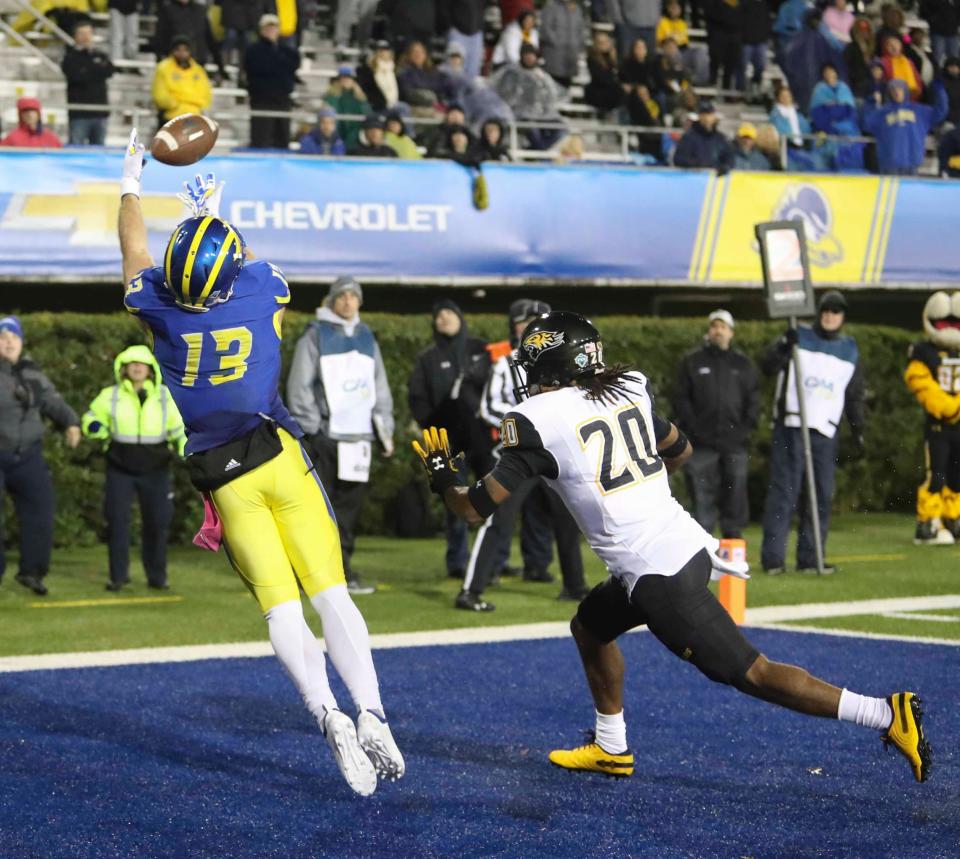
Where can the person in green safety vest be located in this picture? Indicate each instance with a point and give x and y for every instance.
(139, 425)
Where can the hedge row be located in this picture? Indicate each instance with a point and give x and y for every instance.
(77, 351)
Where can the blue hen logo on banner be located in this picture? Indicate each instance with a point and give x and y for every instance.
(809, 204)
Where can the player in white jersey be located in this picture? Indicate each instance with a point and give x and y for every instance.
(592, 433)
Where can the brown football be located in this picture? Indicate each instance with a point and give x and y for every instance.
(184, 139)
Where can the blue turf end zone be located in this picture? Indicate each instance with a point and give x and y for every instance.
(219, 759)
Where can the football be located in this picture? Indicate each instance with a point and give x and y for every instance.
(184, 139)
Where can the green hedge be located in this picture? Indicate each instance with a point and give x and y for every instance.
(77, 351)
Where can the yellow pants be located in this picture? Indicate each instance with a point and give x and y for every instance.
(278, 528)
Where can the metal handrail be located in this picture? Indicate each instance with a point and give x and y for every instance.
(513, 128)
(64, 36)
(26, 43)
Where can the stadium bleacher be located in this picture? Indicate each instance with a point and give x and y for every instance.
(29, 65)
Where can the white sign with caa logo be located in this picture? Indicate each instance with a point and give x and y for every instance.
(825, 379)
(349, 388)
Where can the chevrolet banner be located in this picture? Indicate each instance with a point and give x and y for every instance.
(416, 221)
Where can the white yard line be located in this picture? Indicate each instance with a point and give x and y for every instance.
(768, 617)
(851, 633)
(935, 618)
(809, 611)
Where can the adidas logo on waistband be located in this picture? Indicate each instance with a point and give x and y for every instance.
(231, 465)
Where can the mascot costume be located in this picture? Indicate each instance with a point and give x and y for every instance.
(933, 375)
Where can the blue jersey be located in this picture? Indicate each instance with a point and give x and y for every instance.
(222, 366)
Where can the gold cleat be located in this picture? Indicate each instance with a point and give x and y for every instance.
(593, 759)
(906, 733)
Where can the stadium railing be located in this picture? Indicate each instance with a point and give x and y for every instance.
(624, 135)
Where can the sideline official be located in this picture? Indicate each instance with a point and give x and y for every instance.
(716, 401)
(138, 422)
(445, 389)
(830, 362)
(338, 392)
(27, 396)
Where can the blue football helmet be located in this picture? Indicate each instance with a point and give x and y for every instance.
(204, 257)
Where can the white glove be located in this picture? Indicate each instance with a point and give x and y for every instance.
(132, 166)
(202, 197)
(721, 566)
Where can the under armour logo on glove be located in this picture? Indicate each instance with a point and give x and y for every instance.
(443, 469)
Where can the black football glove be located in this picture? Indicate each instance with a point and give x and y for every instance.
(443, 469)
(790, 338)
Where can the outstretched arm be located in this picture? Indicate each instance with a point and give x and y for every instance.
(131, 228)
(459, 501)
(474, 504)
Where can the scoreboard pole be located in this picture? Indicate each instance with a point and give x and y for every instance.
(786, 277)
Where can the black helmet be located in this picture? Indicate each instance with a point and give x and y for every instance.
(556, 348)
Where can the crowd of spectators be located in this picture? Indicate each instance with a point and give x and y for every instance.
(847, 69)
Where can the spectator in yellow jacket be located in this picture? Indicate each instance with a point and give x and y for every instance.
(672, 25)
(138, 424)
(180, 84)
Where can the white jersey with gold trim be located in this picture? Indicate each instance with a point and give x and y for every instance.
(602, 459)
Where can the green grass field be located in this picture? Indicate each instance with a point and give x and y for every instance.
(208, 604)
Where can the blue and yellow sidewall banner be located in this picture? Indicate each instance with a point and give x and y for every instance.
(414, 221)
(847, 221)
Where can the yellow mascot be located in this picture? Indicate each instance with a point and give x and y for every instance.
(933, 375)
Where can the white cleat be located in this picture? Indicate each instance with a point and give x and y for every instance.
(354, 764)
(377, 741)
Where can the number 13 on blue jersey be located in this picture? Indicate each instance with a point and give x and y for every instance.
(233, 345)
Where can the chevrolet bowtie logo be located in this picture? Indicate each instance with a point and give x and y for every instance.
(89, 213)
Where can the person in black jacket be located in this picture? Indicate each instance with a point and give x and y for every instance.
(371, 143)
(271, 69)
(724, 40)
(377, 77)
(86, 70)
(27, 396)
(239, 19)
(492, 144)
(410, 20)
(702, 145)
(186, 18)
(756, 31)
(716, 402)
(445, 389)
(943, 16)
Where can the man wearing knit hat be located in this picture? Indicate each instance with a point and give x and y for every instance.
(338, 392)
(27, 396)
(445, 389)
(830, 362)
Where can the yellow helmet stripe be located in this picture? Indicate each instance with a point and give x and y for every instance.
(167, 260)
(233, 240)
(191, 256)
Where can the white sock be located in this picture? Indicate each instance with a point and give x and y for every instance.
(286, 625)
(348, 644)
(319, 696)
(863, 710)
(612, 733)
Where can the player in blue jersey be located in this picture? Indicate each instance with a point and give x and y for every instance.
(215, 323)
